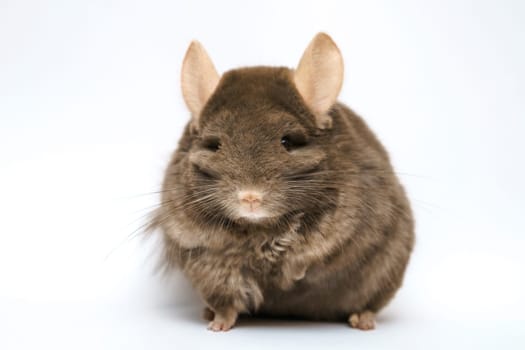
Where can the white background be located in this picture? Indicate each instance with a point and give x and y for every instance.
(90, 109)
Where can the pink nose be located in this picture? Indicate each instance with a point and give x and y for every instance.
(250, 198)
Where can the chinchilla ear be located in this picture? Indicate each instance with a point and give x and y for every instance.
(198, 79)
(319, 77)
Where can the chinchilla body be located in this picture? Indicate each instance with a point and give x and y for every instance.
(279, 200)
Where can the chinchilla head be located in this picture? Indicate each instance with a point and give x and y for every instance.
(259, 143)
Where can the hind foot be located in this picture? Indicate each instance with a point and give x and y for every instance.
(220, 322)
(363, 320)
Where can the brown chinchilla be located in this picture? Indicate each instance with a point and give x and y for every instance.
(280, 201)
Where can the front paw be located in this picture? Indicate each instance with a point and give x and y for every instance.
(278, 246)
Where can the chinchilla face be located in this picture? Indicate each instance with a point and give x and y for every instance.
(259, 138)
(254, 159)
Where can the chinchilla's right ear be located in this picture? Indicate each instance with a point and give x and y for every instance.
(199, 78)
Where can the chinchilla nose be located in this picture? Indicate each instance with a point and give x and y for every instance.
(250, 198)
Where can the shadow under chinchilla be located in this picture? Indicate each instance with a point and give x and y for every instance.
(282, 323)
(289, 322)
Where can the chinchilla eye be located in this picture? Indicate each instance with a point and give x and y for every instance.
(293, 141)
(285, 141)
(212, 144)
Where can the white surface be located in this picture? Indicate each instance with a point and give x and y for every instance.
(90, 109)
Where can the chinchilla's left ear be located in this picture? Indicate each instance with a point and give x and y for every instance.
(198, 79)
(319, 77)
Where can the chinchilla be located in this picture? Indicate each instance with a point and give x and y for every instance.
(279, 200)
